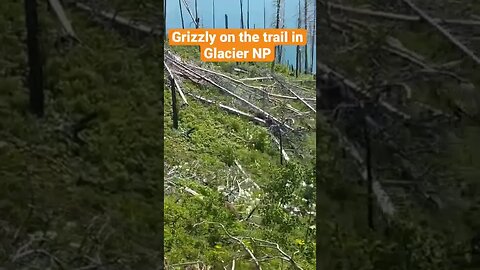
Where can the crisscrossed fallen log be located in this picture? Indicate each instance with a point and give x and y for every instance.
(248, 103)
(382, 196)
(227, 108)
(142, 28)
(443, 31)
(396, 48)
(285, 86)
(352, 86)
(240, 81)
(395, 16)
(239, 113)
(177, 86)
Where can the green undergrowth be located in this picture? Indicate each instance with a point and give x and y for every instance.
(99, 195)
(207, 156)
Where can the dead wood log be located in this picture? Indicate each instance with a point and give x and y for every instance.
(400, 17)
(142, 28)
(62, 18)
(383, 199)
(256, 79)
(240, 81)
(228, 109)
(177, 86)
(443, 31)
(239, 98)
(396, 48)
(240, 113)
(352, 86)
(302, 100)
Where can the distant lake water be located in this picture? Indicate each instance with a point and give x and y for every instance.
(232, 9)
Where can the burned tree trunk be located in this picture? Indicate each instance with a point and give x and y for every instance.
(213, 12)
(181, 13)
(35, 75)
(174, 104)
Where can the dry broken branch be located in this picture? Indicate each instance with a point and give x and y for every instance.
(238, 240)
(394, 16)
(443, 31)
(62, 18)
(177, 86)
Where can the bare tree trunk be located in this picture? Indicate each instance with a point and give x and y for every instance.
(35, 75)
(181, 13)
(297, 62)
(280, 139)
(299, 22)
(164, 18)
(313, 37)
(174, 104)
(213, 11)
(196, 15)
(314, 32)
(241, 14)
(277, 26)
(306, 29)
(248, 14)
(264, 14)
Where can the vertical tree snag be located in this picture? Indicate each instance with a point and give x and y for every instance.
(213, 12)
(241, 15)
(248, 14)
(280, 139)
(35, 74)
(181, 13)
(306, 29)
(197, 19)
(174, 104)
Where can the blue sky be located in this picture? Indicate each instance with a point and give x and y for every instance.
(232, 9)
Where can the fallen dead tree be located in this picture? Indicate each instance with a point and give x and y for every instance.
(361, 94)
(260, 242)
(443, 31)
(177, 86)
(392, 46)
(395, 16)
(240, 113)
(228, 108)
(288, 87)
(190, 71)
(381, 195)
(63, 19)
(123, 21)
(240, 81)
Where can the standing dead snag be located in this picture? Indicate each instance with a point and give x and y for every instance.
(213, 12)
(306, 29)
(174, 104)
(35, 75)
(181, 13)
(241, 14)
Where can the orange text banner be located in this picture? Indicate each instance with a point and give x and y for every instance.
(237, 45)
